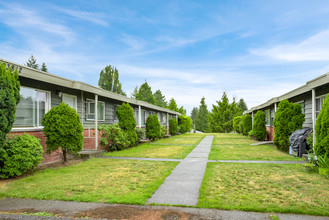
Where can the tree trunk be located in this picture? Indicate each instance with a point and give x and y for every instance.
(64, 155)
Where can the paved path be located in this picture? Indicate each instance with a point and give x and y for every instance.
(182, 186)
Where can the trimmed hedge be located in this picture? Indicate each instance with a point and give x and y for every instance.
(20, 154)
(127, 122)
(173, 126)
(288, 118)
(186, 121)
(236, 122)
(321, 146)
(247, 124)
(259, 129)
(63, 129)
(153, 127)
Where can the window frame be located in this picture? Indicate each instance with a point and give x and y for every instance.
(48, 107)
(91, 101)
(302, 107)
(74, 96)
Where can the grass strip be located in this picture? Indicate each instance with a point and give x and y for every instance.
(154, 151)
(96, 180)
(264, 188)
(249, 152)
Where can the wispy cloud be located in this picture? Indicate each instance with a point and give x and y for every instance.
(132, 41)
(27, 21)
(314, 48)
(83, 15)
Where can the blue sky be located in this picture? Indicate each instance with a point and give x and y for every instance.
(253, 50)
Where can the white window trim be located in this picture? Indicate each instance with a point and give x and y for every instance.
(48, 97)
(74, 96)
(88, 101)
(319, 97)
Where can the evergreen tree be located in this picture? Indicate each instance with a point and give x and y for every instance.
(160, 100)
(242, 105)
(259, 128)
(201, 121)
(9, 98)
(182, 110)
(221, 116)
(172, 105)
(44, 67)
(194, 114)
(32, 62)
(134, 92)
(145, 93)
(109, 80)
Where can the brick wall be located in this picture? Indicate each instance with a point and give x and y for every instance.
(89, 143)
(270, 133)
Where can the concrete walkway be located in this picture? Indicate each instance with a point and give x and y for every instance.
(182, 186)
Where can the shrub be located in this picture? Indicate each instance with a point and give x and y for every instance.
(251, 133)
(236, 122)
(127, 122)
(173, 126)
(63, 129)
(241, 127)
(182, 129)
(9, 98)
(246, 124)
(186, 121)
(113, 137)
(20, 154)
(321, 146)
(141, 133)
(287, 119)
(259, 129)
(153, 127)
(163, 131)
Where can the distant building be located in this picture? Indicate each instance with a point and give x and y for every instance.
(310, 97)
(40, 91)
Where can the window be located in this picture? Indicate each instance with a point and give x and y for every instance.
(267, 117)
(70, 100)
(90, 110)
(318, 104)
(143, 117)
(33, 106)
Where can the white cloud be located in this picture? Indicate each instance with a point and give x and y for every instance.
(132, 42)
(28, 22)
(82, 15)
(314, 48)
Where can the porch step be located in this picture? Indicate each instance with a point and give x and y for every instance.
(91, 153)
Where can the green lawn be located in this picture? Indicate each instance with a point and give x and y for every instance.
(184, 139)
(96, 180)
(154, 151)
(264, 188)
(237, 147)
(249, 152)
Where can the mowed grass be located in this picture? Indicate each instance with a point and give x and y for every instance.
(184, 139)
(264, 188)
(237, 147)
(154, 151)
(96, 180)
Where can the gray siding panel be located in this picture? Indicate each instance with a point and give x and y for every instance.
(308, 113)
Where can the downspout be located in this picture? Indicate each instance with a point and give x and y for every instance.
(139, 116)
(313, 116)
(96, 122)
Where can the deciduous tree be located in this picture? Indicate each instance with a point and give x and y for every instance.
(109, 80)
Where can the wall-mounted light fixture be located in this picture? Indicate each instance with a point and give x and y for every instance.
(59, 93)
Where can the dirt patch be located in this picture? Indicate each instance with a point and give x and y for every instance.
(133, 213)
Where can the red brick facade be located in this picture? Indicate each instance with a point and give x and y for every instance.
(270, 133)
(89, 144)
